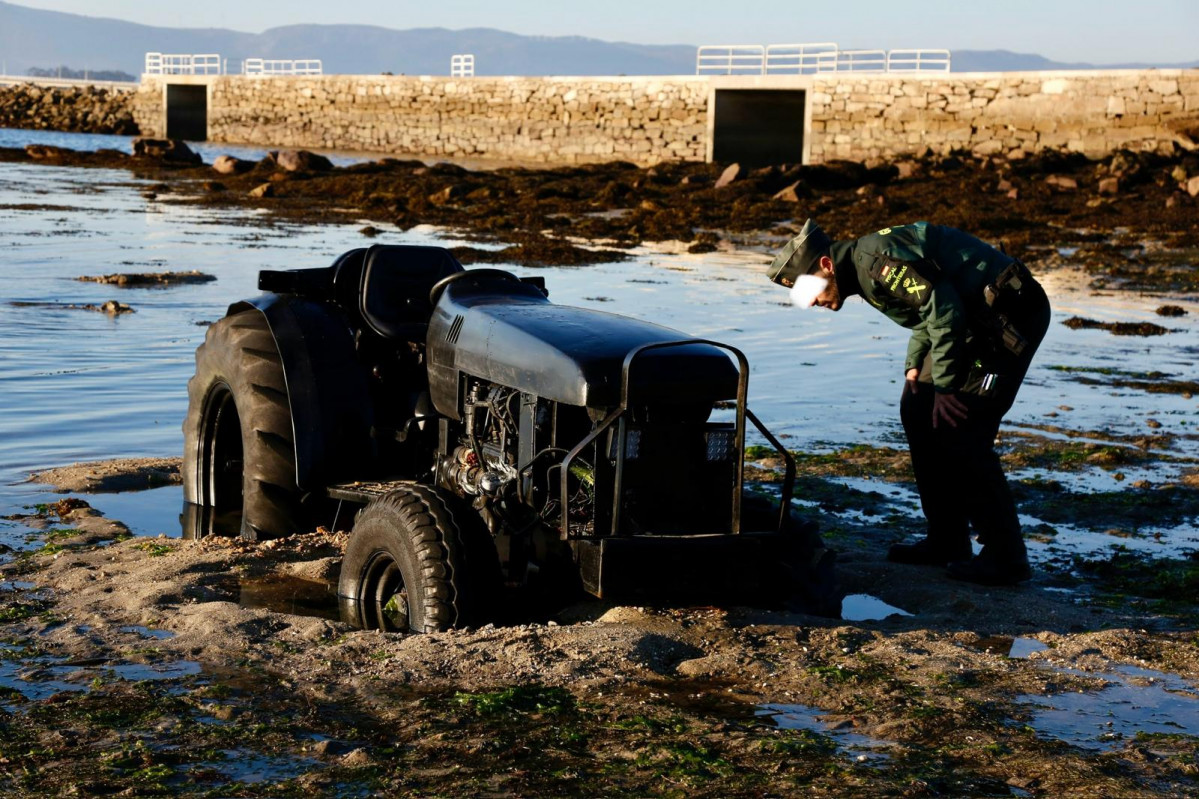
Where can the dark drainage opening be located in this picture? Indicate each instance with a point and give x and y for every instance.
(757, 127)
(187, 112)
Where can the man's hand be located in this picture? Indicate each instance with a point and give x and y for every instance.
(948, 408)
(910, 380)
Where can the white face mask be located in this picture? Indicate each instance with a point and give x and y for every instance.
(806, 289)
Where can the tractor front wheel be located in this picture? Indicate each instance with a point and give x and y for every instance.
(420, 561)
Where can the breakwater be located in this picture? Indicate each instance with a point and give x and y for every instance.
(564, 120)
(76, 109)
(768, 119)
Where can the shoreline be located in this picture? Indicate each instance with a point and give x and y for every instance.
(1128, 218)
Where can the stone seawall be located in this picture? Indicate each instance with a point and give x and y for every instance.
(1094, 113)
(649, 120)
(548, 120)
(77, 109)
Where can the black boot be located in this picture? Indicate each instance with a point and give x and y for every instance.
(927, 552)
(993, 567)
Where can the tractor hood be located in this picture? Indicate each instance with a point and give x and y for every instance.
(507, 332)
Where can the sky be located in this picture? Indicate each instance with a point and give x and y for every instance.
(1095, 31)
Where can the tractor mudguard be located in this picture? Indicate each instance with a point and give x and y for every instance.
(331, 407)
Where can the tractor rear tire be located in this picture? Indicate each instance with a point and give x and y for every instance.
(418, 560)
(239, 449)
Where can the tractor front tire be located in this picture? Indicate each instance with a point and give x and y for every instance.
(808, 571)
(418, 560)
(239, 449)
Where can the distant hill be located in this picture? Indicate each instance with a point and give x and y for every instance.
(1007, 61)
(33, 38)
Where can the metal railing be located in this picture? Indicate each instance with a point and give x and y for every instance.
(861, 61)
(918, 61)
(183, 64)
(282, 66)
(812, 58)
(730, 59)
(462, 65)
(801, 59)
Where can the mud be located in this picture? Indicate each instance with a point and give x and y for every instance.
(1116, 328)
(123, 474)
(149, 279)
(138, 665)
(1143, 237)
(112, 307)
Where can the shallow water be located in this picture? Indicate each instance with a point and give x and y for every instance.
(81, 385)
(863, 607)
(1136, 702)
(862, 748)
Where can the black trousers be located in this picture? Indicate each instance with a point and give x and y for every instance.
(958, 473)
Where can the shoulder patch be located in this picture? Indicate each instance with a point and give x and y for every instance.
(910, 282)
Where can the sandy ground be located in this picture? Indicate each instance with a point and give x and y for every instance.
(244, 700)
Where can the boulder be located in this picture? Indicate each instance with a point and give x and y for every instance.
(791, 194)
(172, 150)
(731, 173)
(229, 165)
(302, 161)
(263, 190)
(1062, 182)
(40, 152)
(1109, 186)
(1193, 186)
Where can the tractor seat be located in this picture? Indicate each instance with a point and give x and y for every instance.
(394, 293)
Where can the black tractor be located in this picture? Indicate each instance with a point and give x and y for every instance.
(497, 445)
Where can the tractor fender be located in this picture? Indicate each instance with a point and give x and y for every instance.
(331, 411)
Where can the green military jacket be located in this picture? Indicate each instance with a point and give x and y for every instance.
(929, 279)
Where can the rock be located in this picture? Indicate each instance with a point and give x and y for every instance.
(905, 169)
(1004, 186)
(1152, 424)
(1014, 194)
(1062, 182)
(1171, 202)
(695, 180)
(1179, 174)
(1109, 186)
(1171, 310)
(263, 190)
(731, 173)
(359, 757)
(370, 231)
(302, 161)
(451, 192)
(40, 152)
(1193, 186)
(113, 307)
(171, 150)
(790, 194)
(228, 165)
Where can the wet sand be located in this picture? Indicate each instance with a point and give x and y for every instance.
(235, 663)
